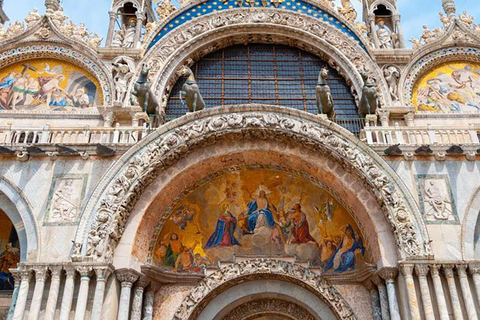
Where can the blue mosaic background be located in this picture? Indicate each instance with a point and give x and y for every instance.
(217, 5)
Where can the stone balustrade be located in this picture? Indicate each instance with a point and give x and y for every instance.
(421, 135)
(46, 135)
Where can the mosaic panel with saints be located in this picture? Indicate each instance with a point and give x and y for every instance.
(259, 212)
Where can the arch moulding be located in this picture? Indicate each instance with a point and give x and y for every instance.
(468, 226)
(197, 38)
(107, 211)
(249, 270)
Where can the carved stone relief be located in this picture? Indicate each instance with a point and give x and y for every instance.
(251, 269)
(66, 195)
(258, 308)
(436, 199)
(121, 194)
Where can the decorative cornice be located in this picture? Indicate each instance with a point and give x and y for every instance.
(246, 270)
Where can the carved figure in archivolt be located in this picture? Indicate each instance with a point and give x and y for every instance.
(324, 95)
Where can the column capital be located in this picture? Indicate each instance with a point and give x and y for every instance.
(377, 280)
(41, 273)
(435, 269)
(388, 273)
(474, 268)
(142, 282)
(26, 274)
(84, 271)
(112, 14)
(421, 270)
(140, 15)
(407, 269)
(127, 276)
(102, 273)
(462, 270)
(16, 275)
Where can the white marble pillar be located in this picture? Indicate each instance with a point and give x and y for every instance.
(148, 303)
(474, 269)
(389, 275)
(457, 310)
(102, 274)
(138, 32)
(82, 298)
(26, 276)
(53, 293)
(422, 270)
(127, 278)
(407, 270)
(440, 295)
(382, 292)
(137, 303)
(16, 278)
(372, 289)
(67, 294)
(467, 294)
(40, 276)
(111, 28)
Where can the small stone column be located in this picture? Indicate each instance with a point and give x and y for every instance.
(127, 278)
(40, 276)
(67, 294)
(16, 278)
(407, 270)
(373, 29)
(102, 274)
(382, 292)
(136, 313)
(26, 276)
(82, 298)
(399, 31)
(467, 294)
(457, 310)
(53, 293)
(138, 31)
(441, 300)
(377, 311)
(111, 28)
(148, 304)
(389, 275)
(422, 271)
(474, 269)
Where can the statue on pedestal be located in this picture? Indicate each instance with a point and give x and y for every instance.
(190, 91)
(384, 36)
(369, 102)
(141, 91)
(324, 95)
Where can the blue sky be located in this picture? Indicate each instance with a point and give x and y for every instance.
(415, 13)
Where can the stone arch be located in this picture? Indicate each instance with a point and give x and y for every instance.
(107, 211)
(59, 47)
(19, 211)
(387, 4)
(469, 224)
(208, 33)
(297, 283)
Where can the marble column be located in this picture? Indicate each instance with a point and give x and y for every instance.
(82, 298)
(399, 31)
(474, 269)
(26, 276)
(467, 294)
(40, 276)
(440, 295)
(377, 311)
(407, 270)
(67, 294)
(102, 274)
(111, 28)
(373, 29)
(148, 303)
(389, 275)
(127, 278)
(16, 278)
(382, 292)
(138, 31)
(137, 303)
(457, 310)
(53, 293)
(422, 270)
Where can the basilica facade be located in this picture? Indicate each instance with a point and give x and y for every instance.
(239, 159)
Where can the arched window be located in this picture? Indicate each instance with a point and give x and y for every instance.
(266, 74)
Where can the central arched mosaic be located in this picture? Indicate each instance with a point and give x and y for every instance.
(258, 211)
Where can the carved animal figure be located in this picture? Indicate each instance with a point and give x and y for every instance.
(141, 91)
(369, 101)
(190, 91)
(324, 95)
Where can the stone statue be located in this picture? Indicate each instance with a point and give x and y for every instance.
(122, 75)
(369, 100)
(58, 17)
(324, 95)
(129, 34)
(428, 36)
(466, 19)
(164, 10)
(94, 40)
(144, 97)
(80, 32)
(384, 36)
(117, 38)
(392, 76)
(3, 32)
(449, 7)
(347, 11)
(476, 30)
(15, 28)
(445, 20)
(32, 17)
(190, 91)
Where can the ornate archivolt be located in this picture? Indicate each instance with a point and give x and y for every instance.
(45, 40)
(256, 308)
(196, 38)
(243, 271)
(106, 213)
